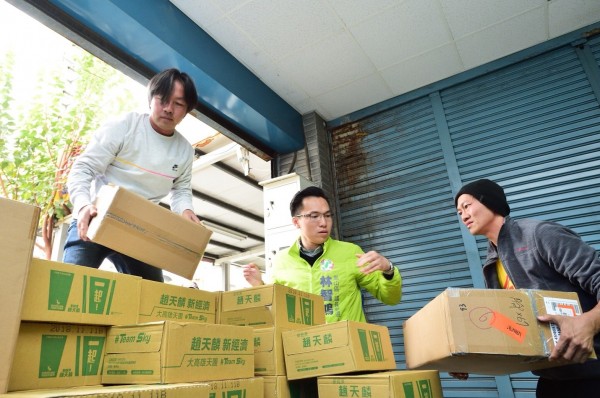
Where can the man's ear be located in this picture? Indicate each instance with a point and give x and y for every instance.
(296, 221)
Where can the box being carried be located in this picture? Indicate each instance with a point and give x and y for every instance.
(339, 347)
(51, 355)
(271, 305)
(165, 302)
(177, 352)
(486, 331)
(138, 228)
(59, 292)
(396, 384)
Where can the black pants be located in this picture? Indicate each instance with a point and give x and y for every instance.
(584, 388)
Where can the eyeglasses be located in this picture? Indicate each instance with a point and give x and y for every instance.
(314, 216)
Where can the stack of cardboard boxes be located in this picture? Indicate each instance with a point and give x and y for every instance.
(77, 331)
(69, 330)
(298, 355)
(271, 310)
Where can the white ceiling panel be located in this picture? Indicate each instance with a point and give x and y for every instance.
(424, 69)
(355, 95)
(405, 31)
(324, 66)
(467, 17)
(518, 33)
(339, 56)
(282, 27)
(567, 15)
(311, 51)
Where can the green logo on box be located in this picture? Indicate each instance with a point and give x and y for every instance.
(92, 349)
(51, 354)
(97, 294)
(371, 339)
(424, 388)
(307, 310)
(60, 287)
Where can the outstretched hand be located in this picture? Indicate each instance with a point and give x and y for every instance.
(372, 261)
(252, 274)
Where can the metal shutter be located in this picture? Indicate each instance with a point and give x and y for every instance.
(533, 127)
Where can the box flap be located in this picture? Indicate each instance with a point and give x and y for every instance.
(264, 340)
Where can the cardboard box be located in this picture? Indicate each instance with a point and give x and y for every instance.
(268, 351)
(485, 331)
(179, 390)
(339, 347)
(165, 302)
(141, 229)
(396, 384)
(281, 387)
(59, 292)
(237, 388)
(51, 355)
(17, 237)
(271, 305)
(177, 352)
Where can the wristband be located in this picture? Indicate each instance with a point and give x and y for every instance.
(390, 271)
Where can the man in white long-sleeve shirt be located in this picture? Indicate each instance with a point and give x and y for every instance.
(141, 153)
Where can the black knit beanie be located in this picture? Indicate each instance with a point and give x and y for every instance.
(490, 194)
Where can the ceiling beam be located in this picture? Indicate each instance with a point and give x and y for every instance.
(152, 35)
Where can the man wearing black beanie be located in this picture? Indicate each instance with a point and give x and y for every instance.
(533, 254)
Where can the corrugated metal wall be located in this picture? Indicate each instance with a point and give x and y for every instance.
(534, 127)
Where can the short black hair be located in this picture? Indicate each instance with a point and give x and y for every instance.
(296, 202)
(162, 84)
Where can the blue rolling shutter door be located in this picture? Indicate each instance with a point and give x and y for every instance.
(393, 192)
(533, 126)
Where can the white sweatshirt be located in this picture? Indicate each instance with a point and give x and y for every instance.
(129, 153)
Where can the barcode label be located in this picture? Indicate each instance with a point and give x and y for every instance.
(557, 306)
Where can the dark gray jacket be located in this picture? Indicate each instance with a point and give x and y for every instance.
(546, 255)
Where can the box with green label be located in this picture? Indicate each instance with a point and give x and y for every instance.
(281, 387)
(177, 352)
(177, 390)
(395, 384)
(271, 305)
(237, 388)
(165, 302)
(17, 237)
(60, 292)
(335, 348)
(51, 355)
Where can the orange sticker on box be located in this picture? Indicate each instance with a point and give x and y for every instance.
(485, 318)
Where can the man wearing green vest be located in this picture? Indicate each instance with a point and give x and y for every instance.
(334, 269)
